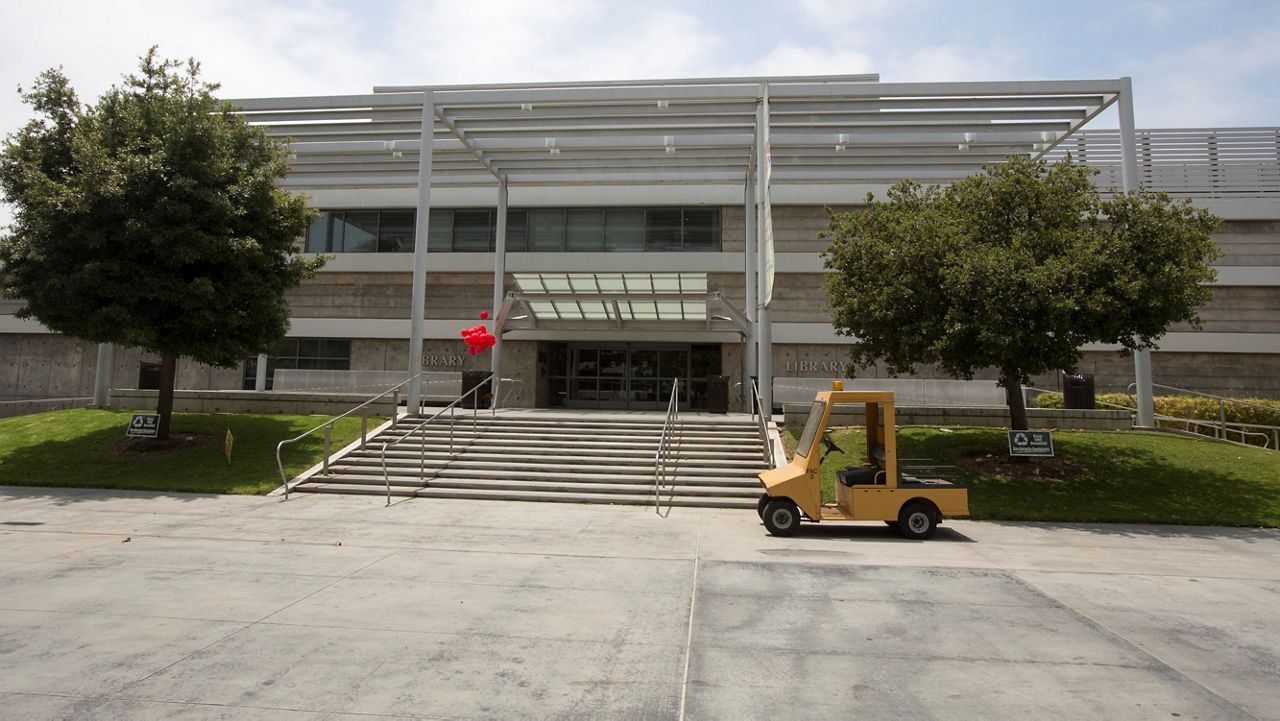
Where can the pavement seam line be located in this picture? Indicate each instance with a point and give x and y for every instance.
(116, 695)
(693, 605)
(1101, 628)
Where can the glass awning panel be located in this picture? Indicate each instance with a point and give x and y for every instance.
(615, 296)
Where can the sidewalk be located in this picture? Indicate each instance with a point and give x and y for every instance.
(139, 605)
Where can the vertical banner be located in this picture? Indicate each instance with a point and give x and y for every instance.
(767, 262)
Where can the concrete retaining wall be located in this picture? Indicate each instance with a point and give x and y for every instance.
(291, 403)
(9, 409)
(986, 416)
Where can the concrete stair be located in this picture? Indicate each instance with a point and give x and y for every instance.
(571, 457)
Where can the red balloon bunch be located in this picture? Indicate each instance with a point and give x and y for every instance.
(478, 338)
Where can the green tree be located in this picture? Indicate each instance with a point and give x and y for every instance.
(1014, 269)
(151, 219)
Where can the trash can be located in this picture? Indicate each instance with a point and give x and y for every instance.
(1078, 391)
(481, 398)
(718, 394)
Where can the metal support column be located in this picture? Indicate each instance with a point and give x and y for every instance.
(102, 375)
(417, 312)
(764, 329)
(260, 378)
(750, 349)
(1129, 179)
(499, 289)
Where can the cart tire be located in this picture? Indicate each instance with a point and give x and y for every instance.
(917, 521)
(781, 516)
(760, 504)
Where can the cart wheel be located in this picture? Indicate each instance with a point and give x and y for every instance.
(760, 504)
(781, 516)
(916, 521)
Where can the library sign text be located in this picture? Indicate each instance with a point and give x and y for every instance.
(835, 366)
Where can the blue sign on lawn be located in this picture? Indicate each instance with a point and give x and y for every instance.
(1030, 443)
(144, 425)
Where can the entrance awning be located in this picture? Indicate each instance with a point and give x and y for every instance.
(676, 301)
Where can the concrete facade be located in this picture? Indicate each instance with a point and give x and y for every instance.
(365, 298)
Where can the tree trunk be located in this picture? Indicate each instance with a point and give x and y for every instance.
(1017, 404)
(164, 406)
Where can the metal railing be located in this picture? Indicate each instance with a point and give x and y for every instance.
(451, 408)
(514, 390)
(327, 427)
(664, 454)
(757, 412)
(1222, 429)
(1186, 162)
(1042, 391)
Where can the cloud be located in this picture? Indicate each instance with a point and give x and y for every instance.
(252, 48)
(846, 12)
(498, 41)
(790, 59)
(952, 62)
(1216, 82)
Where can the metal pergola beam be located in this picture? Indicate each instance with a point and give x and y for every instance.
(821, 129)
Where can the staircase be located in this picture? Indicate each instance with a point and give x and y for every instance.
(570, 457)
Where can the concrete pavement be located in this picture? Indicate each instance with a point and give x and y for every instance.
(130, 605)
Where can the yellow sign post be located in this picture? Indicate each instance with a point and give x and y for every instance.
(226, 445)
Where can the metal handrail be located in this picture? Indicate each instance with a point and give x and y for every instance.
(1222, 427)
(422, 458)
(1186, 391)
(757, 411)
(1116, 406)
(328, 429)
(663, 454)
(1222, 431)
(516, 388)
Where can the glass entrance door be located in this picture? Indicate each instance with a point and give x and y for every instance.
(623, 376)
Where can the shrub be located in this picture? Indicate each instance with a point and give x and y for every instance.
(1195, 407)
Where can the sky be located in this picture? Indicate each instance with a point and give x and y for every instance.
(1193, 64)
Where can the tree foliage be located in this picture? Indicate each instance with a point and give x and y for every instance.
(151, 219)
(1014, 268)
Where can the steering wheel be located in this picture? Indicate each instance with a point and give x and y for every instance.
(828, 446)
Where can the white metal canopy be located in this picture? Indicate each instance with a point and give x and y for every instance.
(823, 129)
(847, 128)
(617, 300)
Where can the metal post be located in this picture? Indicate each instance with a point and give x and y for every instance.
(260, 378)
(750, 349)
(102, 375)
(1222, 418)
(499, 291)
(1129, 178)
(328, 437)
(417, 313)
(364, 425)
(764, 332)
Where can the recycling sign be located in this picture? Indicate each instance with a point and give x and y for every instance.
(1031, 443)
(144, 425)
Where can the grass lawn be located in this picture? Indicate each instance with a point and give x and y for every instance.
(78, 448)
(1097, 476)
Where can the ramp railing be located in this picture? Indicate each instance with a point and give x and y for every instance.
(665, 452)
(1221, 429)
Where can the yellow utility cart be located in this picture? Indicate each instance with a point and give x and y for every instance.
(876, 491)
